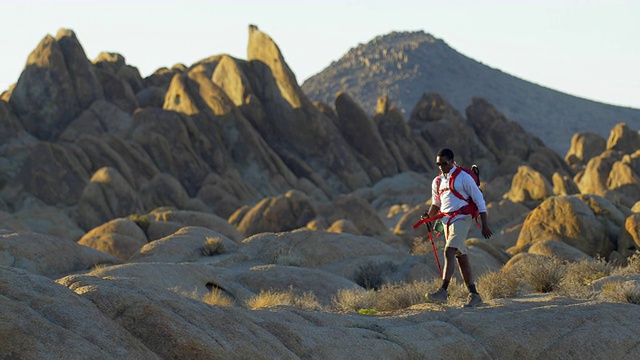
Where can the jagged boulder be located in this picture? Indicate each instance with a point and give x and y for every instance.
(584, 146)
(48, 255)
(120, 237)
(164, 190)
(170, 140)
(225, 195)
(287, 212)
(623, 139)
(99, 118)
(441, 126)
(119, 81)
(624, 179)
(52, 173)
(361, 132)
(58, 82)
(357, 210)
(410, 153)
(564, 185)
(613, 175)
(107, 196)
(318, 143)
(505, 138)
(529, 187)
(11, 128)
(224, 137)
(629, 240)
(589, 223)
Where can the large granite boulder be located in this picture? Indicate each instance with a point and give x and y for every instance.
(48, 255)
(589, 223)
(120, 237)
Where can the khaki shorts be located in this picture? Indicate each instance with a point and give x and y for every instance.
(457, 234)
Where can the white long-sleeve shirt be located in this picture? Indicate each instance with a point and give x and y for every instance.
(448, 202)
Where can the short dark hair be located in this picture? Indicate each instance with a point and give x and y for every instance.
(447, 153)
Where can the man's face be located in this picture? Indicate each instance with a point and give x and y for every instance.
(444, 164)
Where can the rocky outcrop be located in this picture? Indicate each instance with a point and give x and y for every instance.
(587, 222)
(441, 126)
(615, 173)
(411, 153)
(48, 255)
(318, 143)
(42, 318)
(108, 196)
(287, 212)
(405, 65)
(57, 83)
(529, 187)
(584, 146)
(360, 131)
(119, 237)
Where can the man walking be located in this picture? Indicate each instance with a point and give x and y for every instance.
(457, 219)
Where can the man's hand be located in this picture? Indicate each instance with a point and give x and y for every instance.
(425, 215)
(486, 232)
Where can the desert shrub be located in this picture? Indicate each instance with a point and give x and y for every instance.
(542, 273)
(217, 297)
(633, 263)
(355, 299)
(213, 246)
(579, 277)
(141, 220)
(499, 284)
(288, 257)
(621, 291)
(400, 296)
(373, 275)
(631, 268)
(271, 298)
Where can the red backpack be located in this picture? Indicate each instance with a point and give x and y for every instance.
(471, 208)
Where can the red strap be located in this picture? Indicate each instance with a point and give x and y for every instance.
(452, 178)
(424, 221)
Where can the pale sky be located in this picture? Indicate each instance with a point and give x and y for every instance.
(589, 49)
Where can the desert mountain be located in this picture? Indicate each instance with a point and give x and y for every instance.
(215, 211)
(404, 65)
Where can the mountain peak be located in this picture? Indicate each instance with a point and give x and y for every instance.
(405, 65)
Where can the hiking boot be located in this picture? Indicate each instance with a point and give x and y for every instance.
(473, 300)
(439, 296)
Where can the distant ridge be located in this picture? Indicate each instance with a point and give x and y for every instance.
(404, 65)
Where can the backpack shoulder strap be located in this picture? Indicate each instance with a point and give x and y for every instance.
(452, 179)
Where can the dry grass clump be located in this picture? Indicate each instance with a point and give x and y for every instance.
(621, 291)
(272, 298)
(579, 277)
(392, 297)
(499, 284)
(352, 300)
(400, 296)
(216, 297)
(213, 246)
(373, 275)
(544, 274)
(632, 267)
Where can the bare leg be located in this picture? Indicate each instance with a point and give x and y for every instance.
(449, 263)
(465, 269)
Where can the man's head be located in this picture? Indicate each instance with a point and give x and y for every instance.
(444, 160)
